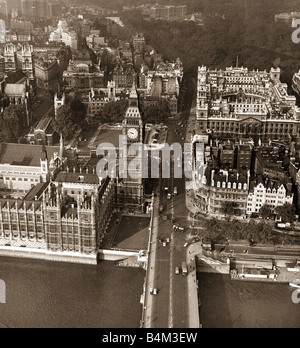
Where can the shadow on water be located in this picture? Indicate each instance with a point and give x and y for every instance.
(214, 310)
(227, 303)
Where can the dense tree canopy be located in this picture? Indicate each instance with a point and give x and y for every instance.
(266, 211)
(228, 208)
(114, 112)
(158, 113)
(66, 123)
(12, 123)
(219, 231)
(286, 212)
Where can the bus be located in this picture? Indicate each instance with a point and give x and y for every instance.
(184, 269)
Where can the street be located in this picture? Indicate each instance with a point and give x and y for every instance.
(170, 306)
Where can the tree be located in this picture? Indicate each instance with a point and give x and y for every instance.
(266, 211)
(65, 123)
(114, 112)
(12, 123)
(158, 113)
(286, 212)
(78, 111)
(228, 208)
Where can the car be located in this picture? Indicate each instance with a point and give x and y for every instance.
(151, 291)
(169, 196)
(164, 244)
(155, 291)
(177, 271)
(186, 244)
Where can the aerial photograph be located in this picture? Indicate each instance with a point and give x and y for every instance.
(149, 166)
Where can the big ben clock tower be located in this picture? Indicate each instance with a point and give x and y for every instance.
(132, 132)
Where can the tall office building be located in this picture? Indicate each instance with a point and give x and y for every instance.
(34, 8)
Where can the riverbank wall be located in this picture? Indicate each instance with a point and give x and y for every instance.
(48, 255)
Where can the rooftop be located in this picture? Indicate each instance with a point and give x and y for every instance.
(23, 154)
(82, 178)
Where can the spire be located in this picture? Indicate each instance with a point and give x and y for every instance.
(44, 154)
(61, 147)
(133, 92)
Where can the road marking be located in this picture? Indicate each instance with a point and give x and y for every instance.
(171, 283)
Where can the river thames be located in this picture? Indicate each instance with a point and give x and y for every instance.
(238, 304)
(57, 295)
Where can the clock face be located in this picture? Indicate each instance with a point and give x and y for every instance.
(132, 133)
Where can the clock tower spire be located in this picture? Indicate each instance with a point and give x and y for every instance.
(132, 131)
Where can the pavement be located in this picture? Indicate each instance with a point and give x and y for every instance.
(194, 317)
(150, 275)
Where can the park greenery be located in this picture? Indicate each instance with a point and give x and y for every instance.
(266, 211)
(286, 212)
(243, 29)
(260, 232)
(113, 112)
(13, 121)
(69, 119)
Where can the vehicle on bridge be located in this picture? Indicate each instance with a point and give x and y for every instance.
(184, 269)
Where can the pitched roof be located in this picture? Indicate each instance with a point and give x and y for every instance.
(23, 154)
(16, 77)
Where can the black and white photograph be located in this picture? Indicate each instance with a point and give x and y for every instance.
(149, 167)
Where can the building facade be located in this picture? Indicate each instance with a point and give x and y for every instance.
(54, 222)
(241, 103)
(270, 193)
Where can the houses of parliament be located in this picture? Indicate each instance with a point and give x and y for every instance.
(58, 210)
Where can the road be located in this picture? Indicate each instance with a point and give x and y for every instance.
(169, 308)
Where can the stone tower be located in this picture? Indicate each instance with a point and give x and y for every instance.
(10, 58)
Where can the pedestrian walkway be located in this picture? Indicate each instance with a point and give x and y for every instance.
(194, 317)
(150, 275)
